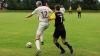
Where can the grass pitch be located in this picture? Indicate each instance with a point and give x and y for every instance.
(82, 34)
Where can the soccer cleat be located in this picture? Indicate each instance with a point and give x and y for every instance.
(62, 51)
(38, 52)
(42, 43)
(71, 49)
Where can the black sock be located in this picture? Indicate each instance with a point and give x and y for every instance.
(78, 16)
(59, 46)
(69, 46)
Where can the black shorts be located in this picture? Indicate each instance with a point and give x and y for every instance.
(79, 12)
(70, 11)
(60, 31)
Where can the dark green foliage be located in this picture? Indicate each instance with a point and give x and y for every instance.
(18, 5)
(30, 4)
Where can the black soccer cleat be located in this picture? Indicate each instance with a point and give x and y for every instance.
(71, 49)
(63, 51)
(42, 43)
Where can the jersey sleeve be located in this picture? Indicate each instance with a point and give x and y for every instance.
(53, 16)
(64, 9)
(50, 10)
(35, 11)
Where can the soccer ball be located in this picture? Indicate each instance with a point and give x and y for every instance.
(28, 45)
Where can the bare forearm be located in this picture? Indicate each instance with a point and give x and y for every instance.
(30, 15)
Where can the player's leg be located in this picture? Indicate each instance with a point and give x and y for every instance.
(55, 40)
(37, 42)
(63, 36)
(58, 45)
(38, 34)
(78, 15)
(41, 38)
(71, 12)
(42, 34)
(68, 12)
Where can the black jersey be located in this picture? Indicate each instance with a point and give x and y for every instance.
(59, 19)
(59, 26)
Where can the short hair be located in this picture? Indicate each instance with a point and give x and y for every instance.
(57, 7)
(39, 3)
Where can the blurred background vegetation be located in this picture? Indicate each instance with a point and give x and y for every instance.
(30, 4)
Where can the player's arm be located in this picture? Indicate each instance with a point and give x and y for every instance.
(63, 17)
(50, 11)
(64, 10)
(52, 16)
(28, 17)
(31, 14)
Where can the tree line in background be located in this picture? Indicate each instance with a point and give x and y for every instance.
(30, 4)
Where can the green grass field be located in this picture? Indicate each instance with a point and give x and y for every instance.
(83, 35)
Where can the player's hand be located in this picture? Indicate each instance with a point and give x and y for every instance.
(30, 15)
(27, 17)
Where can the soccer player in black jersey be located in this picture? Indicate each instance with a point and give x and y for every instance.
(60, 31)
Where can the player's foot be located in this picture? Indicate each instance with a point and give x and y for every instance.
(62, 51)
(42, 43)
(38, 52)
(71, 49)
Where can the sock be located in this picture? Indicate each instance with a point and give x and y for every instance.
(41, 37)
(78, 15)
(69, 46)
(37, 43)
(59, 46)
(66, 43)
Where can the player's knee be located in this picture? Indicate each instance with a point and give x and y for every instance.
(37, 37)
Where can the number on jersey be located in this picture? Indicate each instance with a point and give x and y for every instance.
(44, 14)
(61, 18)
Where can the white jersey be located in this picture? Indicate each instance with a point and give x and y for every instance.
(62, 10)
(43, 13)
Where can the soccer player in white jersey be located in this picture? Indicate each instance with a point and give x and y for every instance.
(62, 9)
(43, 13)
